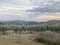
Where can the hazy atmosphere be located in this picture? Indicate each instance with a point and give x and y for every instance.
(29, 22)
(29, 10)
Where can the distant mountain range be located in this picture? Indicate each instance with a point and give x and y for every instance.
(51, 22)
(30, 22)
(54, 21)
(14, 22)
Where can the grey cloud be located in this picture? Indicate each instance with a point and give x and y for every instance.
(44, 10)
(6, 17)
(47, 6)
(15, 2)
(12, 9)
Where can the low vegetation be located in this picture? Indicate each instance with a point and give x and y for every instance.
(49, 33)
(29, 27)
(50, 38)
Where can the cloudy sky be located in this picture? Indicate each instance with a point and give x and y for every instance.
(29, 10)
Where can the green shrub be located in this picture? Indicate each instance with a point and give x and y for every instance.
(48, 41)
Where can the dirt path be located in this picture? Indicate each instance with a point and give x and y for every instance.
(22, 39)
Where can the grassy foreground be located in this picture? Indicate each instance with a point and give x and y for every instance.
(49, 38)
(18, 39)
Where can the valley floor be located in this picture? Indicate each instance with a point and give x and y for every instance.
(20, 39)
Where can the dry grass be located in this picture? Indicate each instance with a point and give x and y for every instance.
(20, 39)
(50, 38)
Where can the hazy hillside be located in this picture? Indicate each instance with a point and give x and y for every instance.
(54, 21)
(31, 22)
